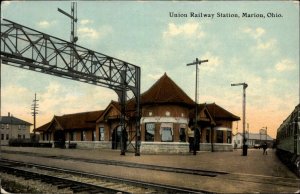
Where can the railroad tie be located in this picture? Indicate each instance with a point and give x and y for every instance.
(63, 185)
(81, 189)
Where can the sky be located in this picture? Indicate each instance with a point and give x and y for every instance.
(260, 51)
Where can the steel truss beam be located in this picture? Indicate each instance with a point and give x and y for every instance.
(29, 49)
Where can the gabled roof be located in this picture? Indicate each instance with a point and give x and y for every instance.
(13, 121)
(84, 120)
(79, 120)
(203, 115)
(165, 90)
(217, 112)
(214, 113)
(43, 127)
(112, 105)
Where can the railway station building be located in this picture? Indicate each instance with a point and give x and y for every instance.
(166, 113)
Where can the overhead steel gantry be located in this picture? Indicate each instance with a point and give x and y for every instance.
(29, 49)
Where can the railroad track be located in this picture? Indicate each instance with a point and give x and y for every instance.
(126, 164)
(83, 182)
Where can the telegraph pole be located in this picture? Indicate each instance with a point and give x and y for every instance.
(34, 112)
(244, 115)
(0, 87)
(197, 62)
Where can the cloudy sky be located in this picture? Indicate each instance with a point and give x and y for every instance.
(261, 51)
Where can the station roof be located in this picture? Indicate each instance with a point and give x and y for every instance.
(214, 112)
(218, 112)
(165, 90)
(79, 120)
(84, 120)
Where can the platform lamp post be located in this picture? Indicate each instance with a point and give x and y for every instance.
(244, 115)
(197, 62)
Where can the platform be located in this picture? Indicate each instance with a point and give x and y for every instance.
(252, 173)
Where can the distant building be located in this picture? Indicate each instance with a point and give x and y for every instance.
(166, 111)
(13, 128)
(252, 139)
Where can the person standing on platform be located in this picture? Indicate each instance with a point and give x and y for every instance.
(196, 140)
(190, 134)
(265, 148)
(124, 141)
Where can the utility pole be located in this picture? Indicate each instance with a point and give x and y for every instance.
(197, 62)
(244, 115)
(0, 86)
(34, 112)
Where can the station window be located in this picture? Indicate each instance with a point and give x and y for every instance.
(19, 127)
(101, 133)
(23, 136)
(2, 126)
(228, 137)
(19, 136)
(219, 136)
(150, 131)
(2, 136)
(7, 137)
(166, 134)
(7, 126)
(182, 135)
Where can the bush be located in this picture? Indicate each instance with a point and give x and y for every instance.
(28, 143)
(21, 142)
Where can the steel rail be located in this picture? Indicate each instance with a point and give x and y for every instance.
(76, 186)
(191, 171)
(157, 187)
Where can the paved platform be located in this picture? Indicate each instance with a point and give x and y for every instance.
(253, 173)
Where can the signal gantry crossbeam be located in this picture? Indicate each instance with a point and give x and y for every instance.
(29, 49)
(22, 46)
